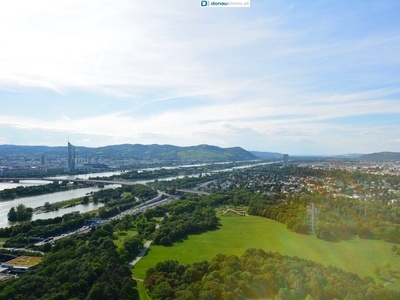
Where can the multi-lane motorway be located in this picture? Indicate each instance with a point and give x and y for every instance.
(162, 198)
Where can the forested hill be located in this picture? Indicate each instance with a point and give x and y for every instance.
(138, 151)
(381, 156)
(267, 155)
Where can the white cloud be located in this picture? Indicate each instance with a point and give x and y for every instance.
(120, 47)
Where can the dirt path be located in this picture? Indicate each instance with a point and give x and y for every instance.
(137, 279)
(389, 282)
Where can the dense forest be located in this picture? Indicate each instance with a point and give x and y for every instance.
(185, 217)
(257, 274)
(78, 267)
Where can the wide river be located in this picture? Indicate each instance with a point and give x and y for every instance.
(37, 201)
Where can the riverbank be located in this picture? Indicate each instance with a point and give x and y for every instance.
(37, 190)
(38, 201)
(49, 207)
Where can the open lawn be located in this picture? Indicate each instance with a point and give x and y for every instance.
(236, 234)
(142, 291)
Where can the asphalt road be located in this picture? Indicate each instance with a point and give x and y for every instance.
(140, 208)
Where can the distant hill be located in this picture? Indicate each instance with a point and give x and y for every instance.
(31, 150)
(381, 156)
(138, 151)
(170, 152)
(349, 155)
(267, 155)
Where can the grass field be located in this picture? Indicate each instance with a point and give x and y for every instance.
(236, 234)
(142, 291)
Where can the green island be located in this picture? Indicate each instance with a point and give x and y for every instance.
(28, 191)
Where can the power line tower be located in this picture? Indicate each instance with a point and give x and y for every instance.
(313, 216)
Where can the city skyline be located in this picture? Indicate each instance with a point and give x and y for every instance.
(301, 78)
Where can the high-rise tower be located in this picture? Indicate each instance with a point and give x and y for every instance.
(43, 160)
(285, 160)
(71, 157)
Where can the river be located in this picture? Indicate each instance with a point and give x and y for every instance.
(11, 185)
(37, 201)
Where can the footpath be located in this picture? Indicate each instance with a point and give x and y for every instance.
(389, 281)
(142, 253)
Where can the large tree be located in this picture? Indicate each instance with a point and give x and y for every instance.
(22, 213)
(12, 215)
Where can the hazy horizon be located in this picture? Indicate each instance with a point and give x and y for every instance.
(249, 150)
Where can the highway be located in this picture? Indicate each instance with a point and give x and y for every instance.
(133, 211)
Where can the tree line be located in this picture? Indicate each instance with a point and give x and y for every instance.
(259, 274)
(185, 217)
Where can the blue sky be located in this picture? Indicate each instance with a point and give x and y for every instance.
(308, 77)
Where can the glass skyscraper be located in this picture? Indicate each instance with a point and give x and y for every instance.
(71, 157)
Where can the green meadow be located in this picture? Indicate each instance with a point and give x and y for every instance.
(238, 233)
(142, 291)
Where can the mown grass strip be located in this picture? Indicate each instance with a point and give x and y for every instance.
(142, 291)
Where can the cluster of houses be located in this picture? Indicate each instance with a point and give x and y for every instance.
(380, 190)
